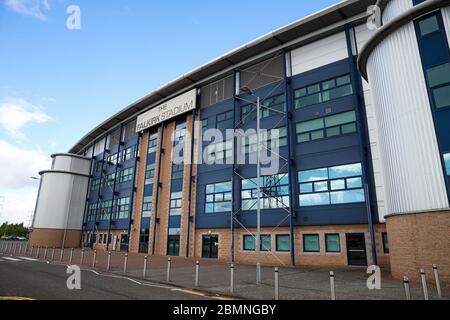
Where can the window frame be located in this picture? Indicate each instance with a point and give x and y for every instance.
(214, 193)
(305, 235)
(221, 124)
(277, 236)
(385, 241)
(327, 249)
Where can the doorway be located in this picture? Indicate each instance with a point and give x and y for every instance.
(210, 245)
(173, 245)
(356, 249)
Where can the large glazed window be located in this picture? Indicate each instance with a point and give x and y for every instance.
(105, 210)
(326, 127)
(274, 192)
(323, 92)
(225, 120)
(218, 197)
(216, 152)
(152, 143)
(150, 174)
(176, 203)
(333, 185)
(122, 208)
(270, 139)
(311, 243)
(147, 207)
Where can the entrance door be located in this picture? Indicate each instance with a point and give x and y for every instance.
(210, 245)
(124, 242)
(173, 245)
(356, 249)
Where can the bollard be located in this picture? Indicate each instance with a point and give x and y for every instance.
(94, 259)
(82, 257)
(1, 246)
(108, 264)
(144, 273)
(276, 284)
(424, 284)
(232, 278)
(21, 248)
(71, 256)
(169, 261)
(31, 251)
(45, 253)
(438, 283)
(406, 285)
(333, 289)
(62, 255)
(37, 252)
(197, 269)
(10, 248)
(15, 248)
(53, 253)
(125, 263)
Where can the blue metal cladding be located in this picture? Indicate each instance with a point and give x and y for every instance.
(434, 51)
(339, 150)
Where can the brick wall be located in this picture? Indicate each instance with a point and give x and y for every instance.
(418, 241)
(55, 238)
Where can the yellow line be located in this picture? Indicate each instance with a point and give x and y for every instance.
(16, 298)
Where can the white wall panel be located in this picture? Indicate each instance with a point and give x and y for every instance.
(407, 141)
(319, 53)
(395, 8)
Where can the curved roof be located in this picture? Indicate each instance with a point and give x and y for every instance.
(280, 38)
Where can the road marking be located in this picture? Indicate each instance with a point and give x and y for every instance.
(27, 259)
(11, 259)
(16, 298)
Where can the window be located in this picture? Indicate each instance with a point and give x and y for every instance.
(249, 243)
(428, 26)
(98, 166)
(326, 127)
(283, 243)
(311, 243)
(269, 107)
(147, 207)
(439, 83)
(177, 171)
(384, 236)
(332, 243)
(274, 192)
(112, 159)
(218, 152)
(204, 125)
(334, 185)
(127, 154)
(150, 174)
(322, 92)
(225, 120)
(95, 184)
(152, 143)
(126, 175)
(92, 210)
(175, 203)
(447, 163)
(270, 139)
(100, 240)
(180, 132)
(122, 208)
(108, 181)
(105, 210)
(218, 197)
(266, 243)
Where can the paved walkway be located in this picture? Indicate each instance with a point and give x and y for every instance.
(296, 283)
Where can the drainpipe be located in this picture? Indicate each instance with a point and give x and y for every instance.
(190, 184)
(130, 210)
(157, 184)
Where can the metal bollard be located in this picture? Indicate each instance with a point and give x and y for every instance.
(407, 290)
(197, 269)
(108, 264)
(424, 284)
(438, 282)
(62, 255)
(21, 248)
(169, 262)
(125, 263)
(15, 248)
(94, 259)
(71, 256)
(31, 251)
(333, 289)
(53, 253)
(232, 278)
(276, 284)
(144, 273)
(82, 257)
(10, 248)
(37, 252)
(45, 253)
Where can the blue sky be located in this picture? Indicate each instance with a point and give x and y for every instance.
(56, 84)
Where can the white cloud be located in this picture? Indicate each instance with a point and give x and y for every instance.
(18, 165)
(53, 144)
(16, 113)
(18, 205)
(30, 8)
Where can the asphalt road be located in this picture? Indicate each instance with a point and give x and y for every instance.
(24, 278)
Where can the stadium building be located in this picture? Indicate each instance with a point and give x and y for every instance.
(363, 117)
